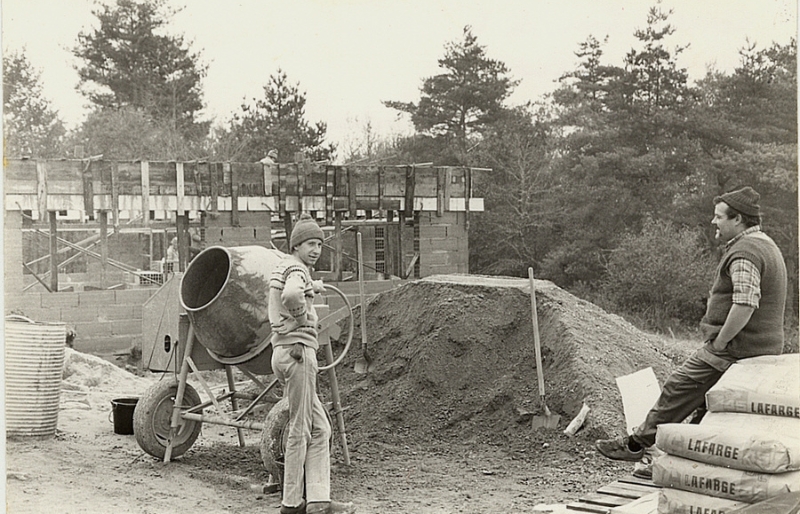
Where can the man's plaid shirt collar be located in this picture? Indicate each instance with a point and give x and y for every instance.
(751, 230)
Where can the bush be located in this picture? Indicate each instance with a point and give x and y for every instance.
(662, 274)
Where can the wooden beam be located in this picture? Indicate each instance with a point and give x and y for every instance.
(351, 193)
(53, 252)
(411, 177)
(115, 194)
(41, 188)
(337, 258)
(145, 192)
(88, 189)
(329, 186)
(182, 226)
(179, 178)
(213, 169)
(103, 247)
(228, 169)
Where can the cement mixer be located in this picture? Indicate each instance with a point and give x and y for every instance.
(223, 299)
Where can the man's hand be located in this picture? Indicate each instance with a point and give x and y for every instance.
(318, 286)
(297, 352)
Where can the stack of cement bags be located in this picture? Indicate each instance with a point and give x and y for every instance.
(744, 451)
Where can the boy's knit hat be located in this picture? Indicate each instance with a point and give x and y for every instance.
(744, 200)
(305, 228)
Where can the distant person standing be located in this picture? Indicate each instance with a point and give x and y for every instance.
(271, 158)
(744, 318)
(172, 257)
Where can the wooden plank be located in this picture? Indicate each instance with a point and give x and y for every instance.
(214, 176)
(53, 252)
(329, 188)
(231, 172)
(645, 488)
(381, 187)
(180, 182)
(647, 504)
(145, 168)
(441, 185)
(88, 189)
(115, 193)
(618, 490)
(588, 507)
(282, 189)
(395, 183)
(640, 481)
(604, 500)
(351, 192)
(410, 185)
(41, 190)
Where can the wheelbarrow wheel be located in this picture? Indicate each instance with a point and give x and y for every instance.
(152, 416)
(274, 436)
(273, 439)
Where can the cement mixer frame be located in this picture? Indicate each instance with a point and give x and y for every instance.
(169, 416)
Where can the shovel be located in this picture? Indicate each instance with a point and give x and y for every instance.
(364, 362)
(548, 420)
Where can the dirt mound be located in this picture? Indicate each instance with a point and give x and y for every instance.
(454, 357)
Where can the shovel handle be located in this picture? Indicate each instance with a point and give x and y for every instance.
(361, 292)
(537, 345)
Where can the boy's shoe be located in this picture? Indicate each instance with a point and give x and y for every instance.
(300, 509)
(617, 449)
(331, 507)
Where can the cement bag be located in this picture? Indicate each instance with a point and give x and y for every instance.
(764, 444)
(732, 484)
(768, 385)
(675, 501)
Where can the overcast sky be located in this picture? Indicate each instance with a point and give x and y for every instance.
(349, 55)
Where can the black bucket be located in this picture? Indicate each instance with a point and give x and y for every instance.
(122, 409)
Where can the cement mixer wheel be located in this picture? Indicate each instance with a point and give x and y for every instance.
(273, 439)
(151, 419)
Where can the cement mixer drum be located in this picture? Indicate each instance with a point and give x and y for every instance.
(224, 292)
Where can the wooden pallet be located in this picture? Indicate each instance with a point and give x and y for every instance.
(624, 491)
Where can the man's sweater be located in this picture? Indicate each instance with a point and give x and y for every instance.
(291, 304)
(763, 334)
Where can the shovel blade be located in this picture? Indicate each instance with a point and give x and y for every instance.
(549, 421)
(363, 365)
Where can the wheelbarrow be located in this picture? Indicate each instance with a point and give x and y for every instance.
(224, 324)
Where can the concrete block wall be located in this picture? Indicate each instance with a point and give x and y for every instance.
(443, 243)
(106, 322)
(12, 251)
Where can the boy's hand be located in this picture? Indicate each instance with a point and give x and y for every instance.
(297, 352)
(318, 286)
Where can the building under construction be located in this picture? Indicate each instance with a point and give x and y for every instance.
(97, 231)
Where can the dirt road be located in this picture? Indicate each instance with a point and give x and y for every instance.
(87, 468)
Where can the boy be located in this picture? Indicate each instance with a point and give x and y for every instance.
(294, 361)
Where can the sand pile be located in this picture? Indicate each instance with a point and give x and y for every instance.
(88, 382)
(454, 357)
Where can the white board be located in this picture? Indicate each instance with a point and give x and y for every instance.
(639, 392)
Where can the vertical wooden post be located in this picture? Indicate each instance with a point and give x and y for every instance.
(337, 259)
(145, 193)
(180, 182)
(115, 193)
(53, 252)
(41, 188)
(401, 223)
(234, 193)
(287, 226)
(182, 225)
(103, 247)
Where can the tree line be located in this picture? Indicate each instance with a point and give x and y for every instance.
(604, 186)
